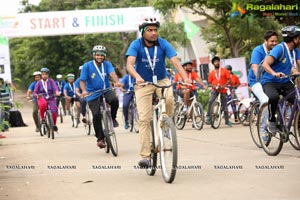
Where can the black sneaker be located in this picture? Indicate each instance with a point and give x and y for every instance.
(55, 128)
(145, 163)
(84, 120)
(115, 123)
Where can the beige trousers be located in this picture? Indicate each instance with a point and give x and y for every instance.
(144, 105)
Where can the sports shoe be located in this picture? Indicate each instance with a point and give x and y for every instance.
(272, 128)
(37, 130)
(126, 125)
(144, 163)
(55, 128)
(101, 144)
(115, 123)
(228, 123)
(264, 135)
(2, 136)
(236, 120)
(208, 121)
(84, 120)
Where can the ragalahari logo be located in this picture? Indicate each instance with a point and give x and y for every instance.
(237, 10)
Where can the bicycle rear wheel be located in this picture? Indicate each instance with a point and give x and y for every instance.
(179, 118)
(153, 156)
(50, 124)
(198, 116)
(243, 114)
(215, 115)
(295, 136)
(233, 111)
(253, 121)
(270, 142)
(110, 134)
(168, 149)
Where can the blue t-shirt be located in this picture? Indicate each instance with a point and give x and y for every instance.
(70, 89)
(143, 68)
(60, 86)
(93, 79)
(77, 85)
(284, 66)
(128, 85)
(258, 54)
(31, 88)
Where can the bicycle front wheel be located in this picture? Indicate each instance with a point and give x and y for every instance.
(198, 116)
(110, 134)
(233, 111)
(295, 137)
(50, 124)
(253, 121)
(135, 119)
(215, 115)
(243, 114)
(60, 112)
(179, 118)
(168, 149)
(153, 156)
(270, 142)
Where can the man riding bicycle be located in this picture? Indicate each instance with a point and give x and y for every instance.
(70, 95)
(148, 54)
(37, 77)
(128, 90)
(274, 81)
(44, 90)
(218, 79)
(94, 76)
(61, 84)
(185, 91)
(82, 100)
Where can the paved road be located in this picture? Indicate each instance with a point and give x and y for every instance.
(216, 164)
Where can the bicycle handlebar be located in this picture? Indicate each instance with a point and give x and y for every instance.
(99, 91)
(158, 86)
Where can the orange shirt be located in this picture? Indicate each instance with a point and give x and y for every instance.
(219, 77)
(235, 81)
(192, 76)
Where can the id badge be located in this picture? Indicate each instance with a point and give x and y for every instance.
(154, 78)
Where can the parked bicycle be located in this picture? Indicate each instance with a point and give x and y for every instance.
(287, 118)
(107, 124)
(163, 138)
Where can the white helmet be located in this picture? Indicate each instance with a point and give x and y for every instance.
(37, 73)
(58, 76)
(148, 21)
(80, 67)
(70, 76)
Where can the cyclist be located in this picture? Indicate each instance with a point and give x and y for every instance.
(274, 83)
(184, 91)
(37, 77)
(128, 90)
(82, 100)
(70, 95)
(61, 84)
(148, 54)
(258, 54)
(218, 79)
(46, 89)
(95, 76)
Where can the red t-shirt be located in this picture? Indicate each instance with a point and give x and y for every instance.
(219, 77)
(235, 81)
(192, 76)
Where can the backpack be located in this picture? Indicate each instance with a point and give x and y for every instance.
(260, 69)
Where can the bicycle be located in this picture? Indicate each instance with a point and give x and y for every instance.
(46, 125)
(107, 124)
(89, 120)
(133, 116)
(194, 112)
(60, 109)
(163, 138)
(272, 143)
(74, 113)
(232, 104)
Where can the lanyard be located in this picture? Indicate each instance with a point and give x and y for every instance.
(218, 75)
(45, 86)
(152, 65)
(292, 59)
(59, 85)
(265, 48)
(102, 75)
(72, 88)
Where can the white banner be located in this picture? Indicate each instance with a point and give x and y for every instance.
(5, 72)
(239, 68)
(74, 22)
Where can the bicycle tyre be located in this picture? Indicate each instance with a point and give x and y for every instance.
(215, 115)
(294, 138)
(168, 143)
(198, 116)
(75, 115)
(153, 156)
(233, 111)
(110, 136)
(271, 143)
(60, 111)
(136, 120)
(87, 125)
(130, 117)
(43, 130)
(253, 120)
(50, 124)
(243, 114)
(179, 118)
